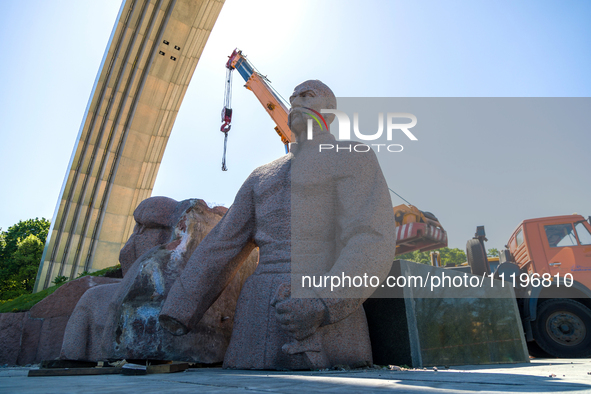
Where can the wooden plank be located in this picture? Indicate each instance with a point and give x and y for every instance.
(74, 371)
(168, 368)
(134, 369)
(67, 364)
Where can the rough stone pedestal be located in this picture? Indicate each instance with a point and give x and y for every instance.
(36, 335)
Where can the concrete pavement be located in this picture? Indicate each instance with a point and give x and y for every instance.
(540, 376)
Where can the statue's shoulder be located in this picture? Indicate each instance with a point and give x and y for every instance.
(273, 168)
(269, 173)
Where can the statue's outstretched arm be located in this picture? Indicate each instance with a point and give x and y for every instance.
(212, 265)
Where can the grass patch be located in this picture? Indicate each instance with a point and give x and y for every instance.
(110, 272)
(26, 301)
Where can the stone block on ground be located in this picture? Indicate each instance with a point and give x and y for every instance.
(63, 301)
(55, 310)
(31, 334)
(11, 326)
(37, 335)
(419, 326)
(51, 338)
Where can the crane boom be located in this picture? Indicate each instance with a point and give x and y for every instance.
(415, 229)
(257, 83)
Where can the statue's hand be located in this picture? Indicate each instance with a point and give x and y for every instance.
(300, 316)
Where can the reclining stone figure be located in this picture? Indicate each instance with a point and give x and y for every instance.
(120, 321)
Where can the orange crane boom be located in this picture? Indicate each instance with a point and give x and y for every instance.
(257, 83)
(415, 229)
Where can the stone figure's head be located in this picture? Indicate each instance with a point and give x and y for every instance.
(155, 218)
(194, 222)
(157, 223)
(311, 94)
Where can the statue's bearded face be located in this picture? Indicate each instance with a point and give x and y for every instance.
(310, 94)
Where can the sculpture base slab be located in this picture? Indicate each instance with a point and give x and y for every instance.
(430, 327)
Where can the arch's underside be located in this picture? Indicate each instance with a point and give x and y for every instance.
(150, 59)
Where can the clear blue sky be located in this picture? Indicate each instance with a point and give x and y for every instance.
(52, 51)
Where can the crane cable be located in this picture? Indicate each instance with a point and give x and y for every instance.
(264, 77)
(400, 196)
(226, 114)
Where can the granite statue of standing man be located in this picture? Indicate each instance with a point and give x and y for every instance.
(311, 213)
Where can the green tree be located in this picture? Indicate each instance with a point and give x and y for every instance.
(26, 258)
(455, 256)
(416, 256)
(21, 248)
(493, 252)
(21, 230)
(448, 256)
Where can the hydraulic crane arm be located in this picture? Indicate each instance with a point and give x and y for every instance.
(257, 83)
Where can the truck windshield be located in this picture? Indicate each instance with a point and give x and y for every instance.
(560, 235)
(583, 233)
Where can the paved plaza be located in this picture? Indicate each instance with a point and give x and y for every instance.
(540, 376)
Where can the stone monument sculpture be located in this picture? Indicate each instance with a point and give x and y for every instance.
(120, 321)
(329, 212)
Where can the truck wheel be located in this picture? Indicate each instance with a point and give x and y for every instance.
(563, 328)
(477, 257)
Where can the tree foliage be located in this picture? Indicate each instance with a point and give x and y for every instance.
(493, 252)
(448, 256)
(21, 248)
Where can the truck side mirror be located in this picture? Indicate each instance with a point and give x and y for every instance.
(505, 256)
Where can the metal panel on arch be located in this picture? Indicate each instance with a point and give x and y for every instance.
(150, 59)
